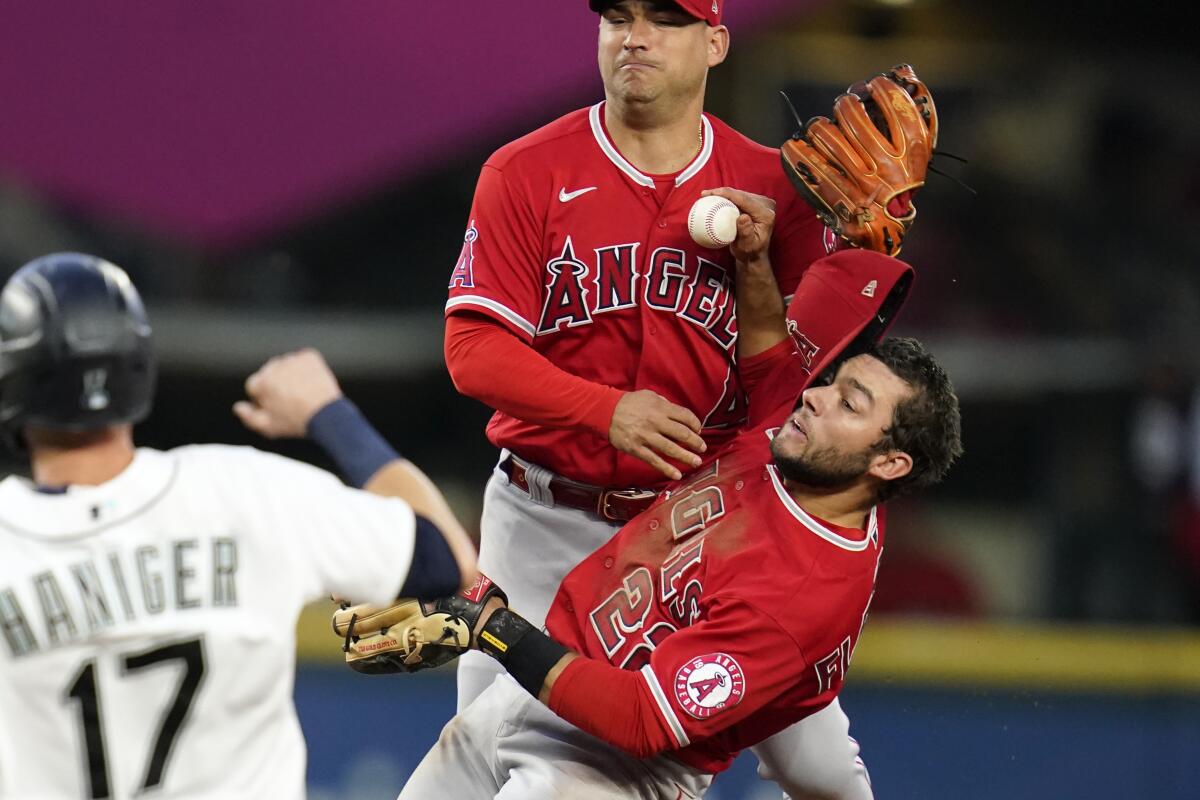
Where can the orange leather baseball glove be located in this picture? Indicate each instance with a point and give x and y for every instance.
(860, 170)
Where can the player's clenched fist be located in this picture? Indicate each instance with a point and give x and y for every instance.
(754, 225)
(648, 426)
(286, 392)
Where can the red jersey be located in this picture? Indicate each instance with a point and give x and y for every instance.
(739, 609)
(590, 262)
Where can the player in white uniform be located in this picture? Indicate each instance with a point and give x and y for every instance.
(148, 599)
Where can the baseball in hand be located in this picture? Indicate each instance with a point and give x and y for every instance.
(712, 222)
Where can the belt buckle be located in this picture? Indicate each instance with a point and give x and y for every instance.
(625, 494)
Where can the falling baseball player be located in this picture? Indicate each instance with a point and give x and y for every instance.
(730, 609)
(148, 599)
(602, 330)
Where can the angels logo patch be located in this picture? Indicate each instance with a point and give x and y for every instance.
(463, 274)
(805, 346)
(709, 684)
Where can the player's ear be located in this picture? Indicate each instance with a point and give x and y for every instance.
(717, 44)
(891, 465)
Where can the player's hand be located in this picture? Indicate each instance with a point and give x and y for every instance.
(285, 393)
(754, 225)
(648, 426)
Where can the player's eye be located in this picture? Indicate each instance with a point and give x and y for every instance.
(846, 405)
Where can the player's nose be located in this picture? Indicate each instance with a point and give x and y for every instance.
(811, 399)
(637, 35)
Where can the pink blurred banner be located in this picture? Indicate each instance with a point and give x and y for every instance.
(220, 121)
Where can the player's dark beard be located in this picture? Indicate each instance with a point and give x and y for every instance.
(823, 468)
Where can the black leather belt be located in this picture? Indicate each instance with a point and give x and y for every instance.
(618, 505)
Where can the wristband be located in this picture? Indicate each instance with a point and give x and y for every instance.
(527, 653)
(353, 443)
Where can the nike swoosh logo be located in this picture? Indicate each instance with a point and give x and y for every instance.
(565, 197)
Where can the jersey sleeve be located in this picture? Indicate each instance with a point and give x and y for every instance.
(773, 380)
(739, 666)
(488, 364)
(497, 272)
(699, 681)
(329, 538)
(716, 673)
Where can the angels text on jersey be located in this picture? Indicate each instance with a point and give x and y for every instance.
(66, 603)
(616, 277)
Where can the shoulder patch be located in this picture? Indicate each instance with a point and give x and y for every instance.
(709, 684)
(463, 274)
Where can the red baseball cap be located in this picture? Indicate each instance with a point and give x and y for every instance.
(844, 303)
(707, 10)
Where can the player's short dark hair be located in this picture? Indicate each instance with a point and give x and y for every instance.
(926, 424)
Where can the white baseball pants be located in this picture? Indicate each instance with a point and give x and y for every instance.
(508, 745)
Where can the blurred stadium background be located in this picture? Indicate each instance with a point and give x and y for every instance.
(278, 174)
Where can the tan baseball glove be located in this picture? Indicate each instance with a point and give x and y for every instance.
(411, 635)
(859, 171)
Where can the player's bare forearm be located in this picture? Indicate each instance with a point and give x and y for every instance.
(762, 323)
(401, 478)
(760, 312)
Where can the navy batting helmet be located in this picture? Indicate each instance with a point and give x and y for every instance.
(75, 349)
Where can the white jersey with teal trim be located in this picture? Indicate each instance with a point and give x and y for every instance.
(147, 625)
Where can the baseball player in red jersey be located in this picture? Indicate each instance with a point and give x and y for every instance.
(731, 608)
(570, 244)
(582, 311)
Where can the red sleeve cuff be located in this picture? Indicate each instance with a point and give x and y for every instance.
(597, 415)
(466, 306)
